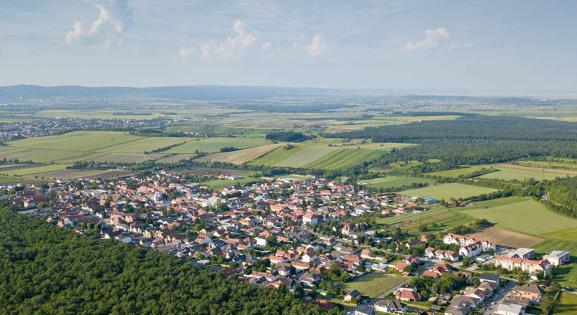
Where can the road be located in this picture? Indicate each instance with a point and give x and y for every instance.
(492, 303)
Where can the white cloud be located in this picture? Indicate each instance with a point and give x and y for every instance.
(267, 48)
(185, 52)
(230, 48)
(433, 39)
(317, 46)
(113, 19)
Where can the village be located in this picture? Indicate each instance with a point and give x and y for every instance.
(308, 235)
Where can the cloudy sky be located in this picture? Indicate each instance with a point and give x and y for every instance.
(503, 45)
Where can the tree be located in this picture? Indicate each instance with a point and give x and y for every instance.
(467, 261)
(546, 304)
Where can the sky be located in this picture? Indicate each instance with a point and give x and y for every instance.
(464, 45)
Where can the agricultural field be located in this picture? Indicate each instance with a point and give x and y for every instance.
(221, 183)
(567, 304)
(436, 220)
(389, 182)
(556, 163)
(241, 156)
(374, 284)
(214, 144)
(330, 154)
(34, 170)
(520, 214)
(115, 146)
(448, 191)
(349, 125)
(464, 172)
(85, 145)
(138, 114)
(519, 172)
(37, 174)
(508, 238)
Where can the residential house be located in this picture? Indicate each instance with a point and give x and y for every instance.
(389, 306)
(558, 258)
(527, 265)
(407, 294)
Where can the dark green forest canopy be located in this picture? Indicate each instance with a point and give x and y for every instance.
(562, 196)
(47, 270)
(290, 136)
(470, 127)
(475, 139)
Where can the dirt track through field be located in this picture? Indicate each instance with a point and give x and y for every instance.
(508, 238)
(530, 168)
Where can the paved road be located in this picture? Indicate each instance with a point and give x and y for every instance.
(499, 297)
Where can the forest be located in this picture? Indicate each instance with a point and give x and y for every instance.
(474, 139)
(48, 270)
(288, 136)
(562, 196)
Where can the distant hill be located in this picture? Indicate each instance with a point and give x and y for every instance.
(168, 92)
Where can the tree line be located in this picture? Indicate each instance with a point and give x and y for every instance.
(473, 139)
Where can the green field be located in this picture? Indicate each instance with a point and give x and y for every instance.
(241, 156)
(443, 218)
(374, 284)
(558, 163)
(518, 172)
(448, 191)
(567, 304)
(521, 214)
(115, 146)
(34, 170)
(221, 183)
(464, 172)
(395, 182)
(213, 145)
(328, 154)
(84, 145)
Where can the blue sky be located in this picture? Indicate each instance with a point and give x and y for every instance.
(436, 45)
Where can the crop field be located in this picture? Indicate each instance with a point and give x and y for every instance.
(464, 172)
(348, 125)
(36, 174)
(325, 154)
(213, 145)
(521, 214)
(221, 183)
(437, 220)
(241, 156)
(508, 238)
(557, 163)
(137, 114)
(395, 181)
(374, 284)
(567, 304)
(86, 145)
(34, 170)
(447, 191)
(519, 172)
(115, 146)
(98, 114)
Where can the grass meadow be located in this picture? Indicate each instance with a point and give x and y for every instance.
(374, 284)
(448, 191)
(389, 182)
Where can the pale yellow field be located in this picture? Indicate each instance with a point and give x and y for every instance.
(240, 156)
